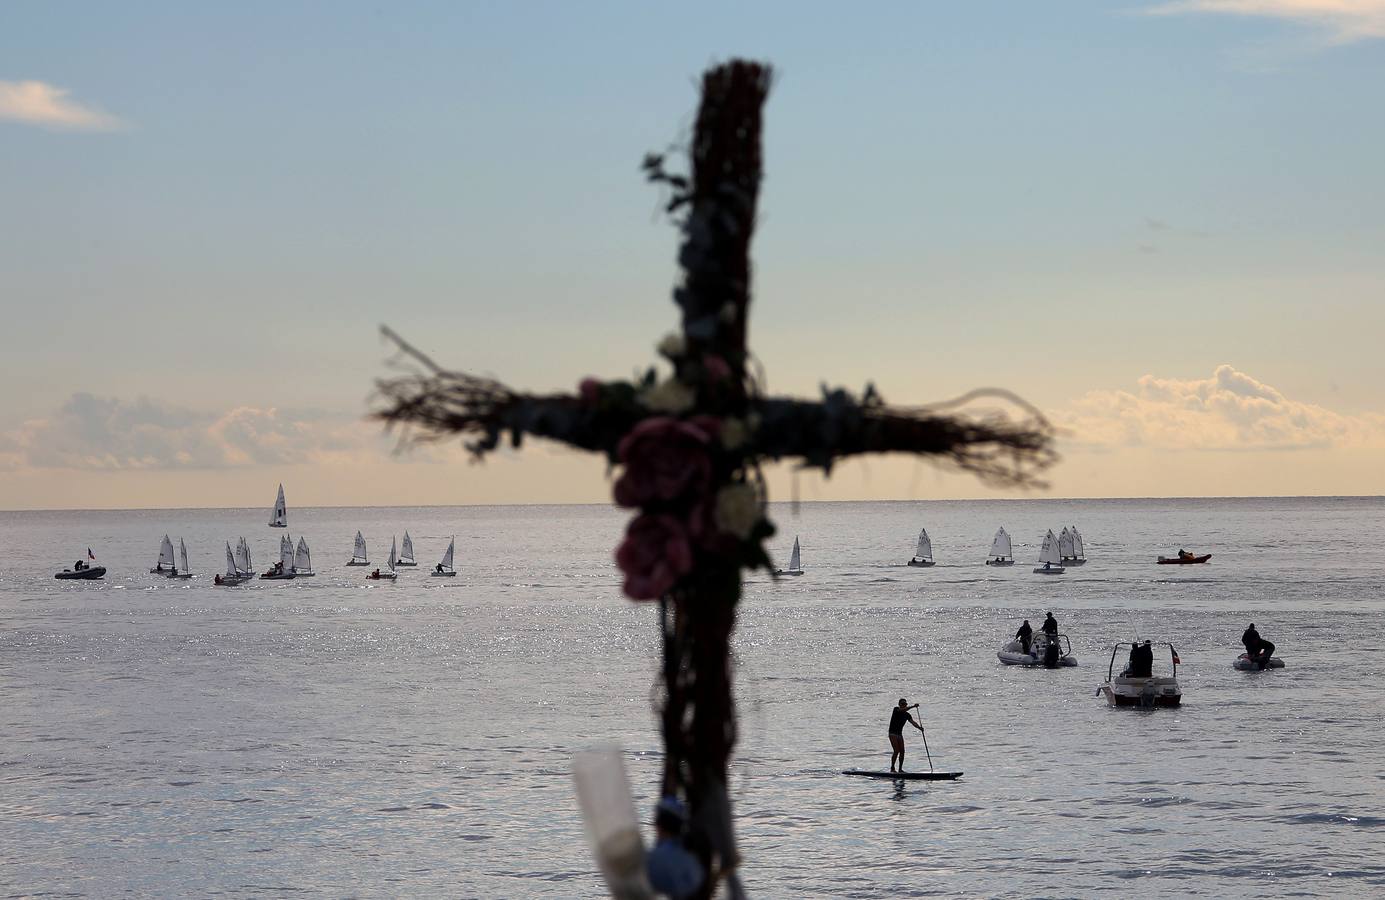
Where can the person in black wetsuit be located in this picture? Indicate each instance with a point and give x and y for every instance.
(1141, 660)
(1258, 650)
(1050, 626)
(1025, 634)
(898, 716)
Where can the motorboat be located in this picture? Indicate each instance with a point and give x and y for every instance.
(1070, 550)
(1184, 559)
(795, 561)
(279, 518)
(1049, 651)
(923, 554)
(406, 555)
(1246, 664)
(1051, 563)
(81, 571)
(381, 574)
(1002, 552)
(358, 554)
(444, 569)
(1144, 689)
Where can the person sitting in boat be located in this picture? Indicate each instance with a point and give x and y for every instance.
(1258, 650)
(1025, 634)
(438, 568)
(1141, 660)
(1050, 626)
(375, 574)
(217, 579)
(898, 716)
(159, 566)
(1184, 554)
(279, 567)
(78, 566)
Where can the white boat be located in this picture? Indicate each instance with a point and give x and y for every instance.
(233, 575)
(923, 554)
(1070, 547)
(407, 557)
(243, 563)
(1246, 664)
(279, 518)
(282, 570)
(1050, 562)
(1142, 688)
(794, 561)
(381, 574)
(183, 572)
(1002, 554)
(358, 554)
(166, 565)
(1050, 652)
(303, 560)
(444, 569)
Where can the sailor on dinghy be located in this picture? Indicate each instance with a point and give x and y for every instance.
(1259, 653)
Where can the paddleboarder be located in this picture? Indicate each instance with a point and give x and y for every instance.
(898, 716)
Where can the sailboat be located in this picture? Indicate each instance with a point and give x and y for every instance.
(165, 565)
(1002, 553)
(184, 571)
(407, 557)
(233, 575)
(282, 570)
(1049, 557)
(923, 556)
(795, 568)
(303, 560)
(1072, 553)
(444, 569)
(380, 575)
(244, 567)
(358, 554)
(280, 517)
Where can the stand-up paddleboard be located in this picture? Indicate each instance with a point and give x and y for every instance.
(907, 776)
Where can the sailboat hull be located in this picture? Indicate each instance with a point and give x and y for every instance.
(1074, 562)
(922, 563)
(401, 564)
(278, 524)
(1052, 570)
(1000, 562)
(358, 562)
(788, 571)
(383, 576)
(443, 574)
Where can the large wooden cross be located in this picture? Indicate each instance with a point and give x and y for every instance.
(689, 444)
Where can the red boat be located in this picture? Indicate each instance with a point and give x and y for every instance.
(1183, 559)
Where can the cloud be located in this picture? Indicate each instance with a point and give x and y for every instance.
(39, 103)
(1344, 21)
(1229, 411)
(103, 433)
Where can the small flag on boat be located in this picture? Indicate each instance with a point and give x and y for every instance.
(1176, 660)
(90, 555)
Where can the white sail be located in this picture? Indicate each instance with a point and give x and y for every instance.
(166, 553)
(1065, 545)
(1048, 553)
(447, 557)
(394, 557)
(302, 559)
(1000, 547)
(794, 561)
(243, 558)
(358, 555)
(1078, 550)
(408, 555)
(279, 518)
(925, 548)
(230, 562)
(183, 556)
(286, 553)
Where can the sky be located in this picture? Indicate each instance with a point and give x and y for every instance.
(1160, 222)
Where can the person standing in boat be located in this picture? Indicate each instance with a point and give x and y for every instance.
(898, 716)
(1050, 626)
(1025, 634)
(1141, 660)
(1258, 650)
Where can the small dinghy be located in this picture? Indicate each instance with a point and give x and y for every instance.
(794, 561)
(1070, 548)
(444, 569)
(382, 575)
(406, 556)
(1002, 553)
(1051, 563)
(165, 566)
(279, 516)
(905, 776)
(1184, 558)
(1142, 688)
(82, 570)
(1246, 664)
(303, 561)
(358, 554)
(234, 575)
(923, 555)
(1048, 652)
(184, 572)
(243, 564)
(283, 569)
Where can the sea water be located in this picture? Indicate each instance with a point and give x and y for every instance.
(339, 737)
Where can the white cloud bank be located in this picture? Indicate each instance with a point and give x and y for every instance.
(39, 103)
(1344, 21)
(1229, 411)
(106, 434)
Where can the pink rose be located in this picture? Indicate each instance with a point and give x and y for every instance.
(664, 459)
(653, 556)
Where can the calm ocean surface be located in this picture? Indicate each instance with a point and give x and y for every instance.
(335, 737)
